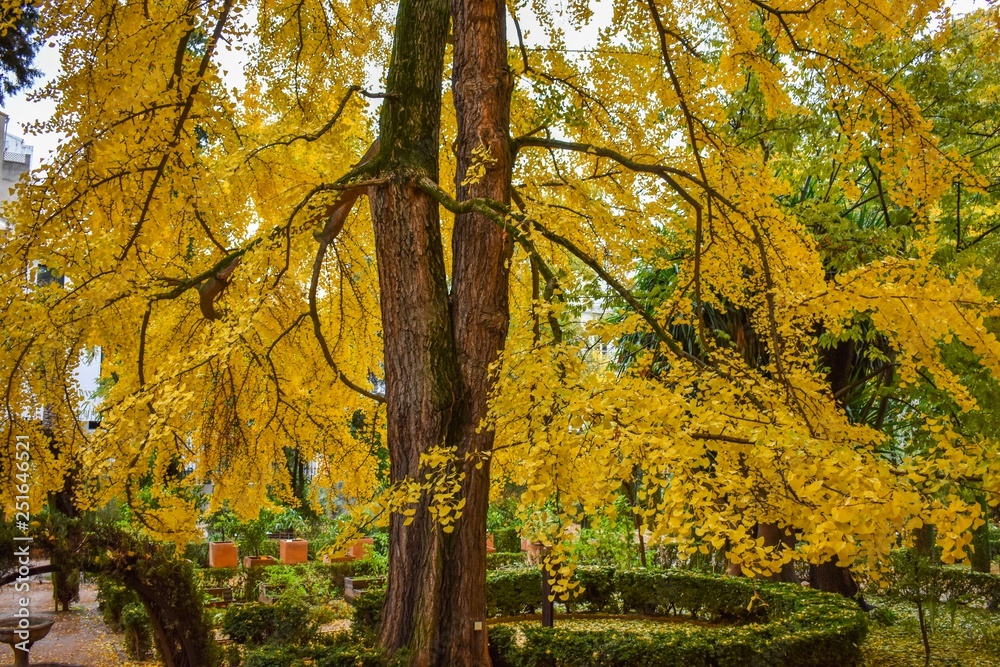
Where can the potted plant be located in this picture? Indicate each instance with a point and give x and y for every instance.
(252, 538)
(222, 552)
(361, 547)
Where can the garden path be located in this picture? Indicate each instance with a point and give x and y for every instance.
(79, 637)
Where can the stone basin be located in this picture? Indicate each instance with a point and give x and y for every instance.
(39, 626)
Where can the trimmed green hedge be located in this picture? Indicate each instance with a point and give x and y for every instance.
(506, 540)
(644, 643)
(962, 584)
(754, 623)
(503, 560)
(513, 592)
(338, 653)
(759, 624)
(256, 623)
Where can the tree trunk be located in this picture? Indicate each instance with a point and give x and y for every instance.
(981, 556)
(925, 543)
(421, 380)
(481, 251)
(832, 578)
(420, 371)
(437, 354)
(829, 576)
(772, 537)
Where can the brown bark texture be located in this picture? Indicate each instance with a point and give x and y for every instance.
(438, 349)
(773, 535)
(980, 559)
(481, 252)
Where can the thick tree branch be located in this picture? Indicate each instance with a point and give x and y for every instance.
(499, 214)
(311, 136)
(12, 576)
(337, 214)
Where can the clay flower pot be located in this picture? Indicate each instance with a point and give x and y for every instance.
(259, 561)
(222, 554)
(360, 548)
(292, 552)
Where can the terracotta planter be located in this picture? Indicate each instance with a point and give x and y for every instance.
(533, 551)
(360, 548)
(222, 554)
(490, 549)
(259, 561)
(337, 558)
(293, 551)
(531, 548)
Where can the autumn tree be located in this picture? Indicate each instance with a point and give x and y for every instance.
(256, 258)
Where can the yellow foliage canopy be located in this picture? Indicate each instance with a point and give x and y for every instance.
(183, 208)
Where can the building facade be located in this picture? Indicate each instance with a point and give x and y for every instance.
(17, 159)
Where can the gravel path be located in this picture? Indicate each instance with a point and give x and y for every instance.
(79, 637)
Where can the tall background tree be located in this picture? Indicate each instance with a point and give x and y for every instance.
(19, 43)
(257, 256)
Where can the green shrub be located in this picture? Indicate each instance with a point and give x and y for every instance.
(293, 623)
(883, 616)
(962, 584)
(513, 592)
(367, 610)
(270, 656)
(759, 624)
(197, 553)
(663, 592)
(644, 643)
(309, 582)
(336, 653)
(504, 560)
(122, 611)
(282, 623)
(112, 598)
(138, 630)
(506, 540)
(251, 623)
(599, 590)
(932, 589)
(232, 655)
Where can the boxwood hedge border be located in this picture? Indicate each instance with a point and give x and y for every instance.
(745, 622)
